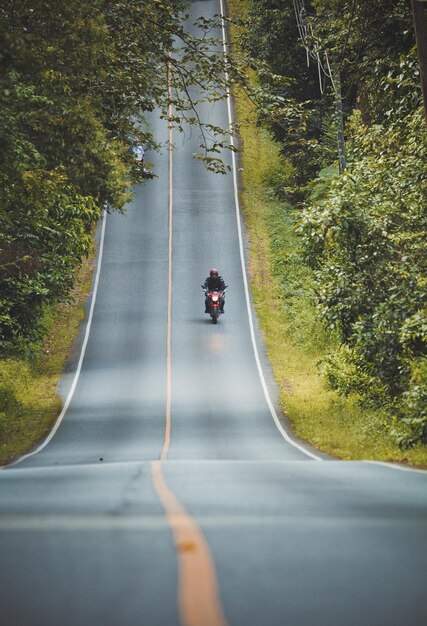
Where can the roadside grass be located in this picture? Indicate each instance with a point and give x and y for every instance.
(283, 291)
(29, 403)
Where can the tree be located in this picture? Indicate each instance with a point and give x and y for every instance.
(74, 85)
(420, 21)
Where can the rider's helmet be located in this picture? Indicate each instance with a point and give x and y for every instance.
(214, 272)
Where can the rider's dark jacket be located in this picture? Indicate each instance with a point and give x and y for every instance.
(215, 283)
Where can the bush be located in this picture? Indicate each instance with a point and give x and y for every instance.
(366, 242)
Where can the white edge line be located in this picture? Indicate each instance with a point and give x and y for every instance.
(283, 432)
(281, 429)
(396, 466)
(63, 523)
(82, 355)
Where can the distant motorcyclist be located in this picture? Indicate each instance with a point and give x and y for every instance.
(214, 282)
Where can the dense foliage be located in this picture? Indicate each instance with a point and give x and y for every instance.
(75, 80)
(363, 230)
(358, 42)
(366, 240)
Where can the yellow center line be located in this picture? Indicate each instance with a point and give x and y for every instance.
(167, 439)
(198, 595)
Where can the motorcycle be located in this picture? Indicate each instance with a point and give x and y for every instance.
(214, 307)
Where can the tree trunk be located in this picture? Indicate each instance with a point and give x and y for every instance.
(420, 21)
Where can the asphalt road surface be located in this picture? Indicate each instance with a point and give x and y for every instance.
(168, 494)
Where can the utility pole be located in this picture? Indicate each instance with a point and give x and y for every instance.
(420, 21)
(342, 162)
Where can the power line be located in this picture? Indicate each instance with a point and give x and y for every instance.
(313, 50)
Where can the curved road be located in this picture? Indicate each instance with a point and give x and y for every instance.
(168, 495)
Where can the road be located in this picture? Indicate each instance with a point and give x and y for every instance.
(168, 494)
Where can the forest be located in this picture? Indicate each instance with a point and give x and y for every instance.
(348, 115)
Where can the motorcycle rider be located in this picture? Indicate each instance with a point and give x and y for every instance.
(214, 282)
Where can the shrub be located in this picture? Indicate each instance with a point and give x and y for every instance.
(366, 241)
